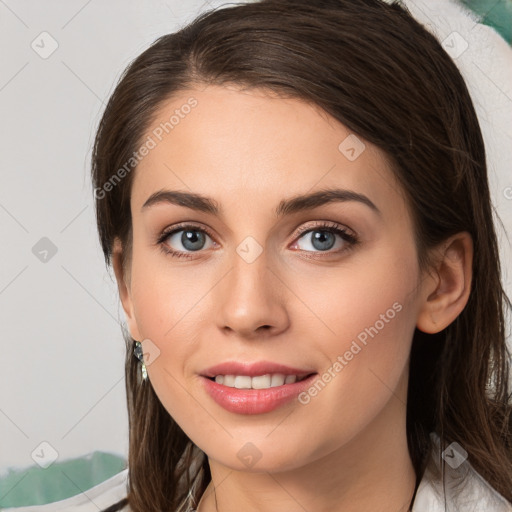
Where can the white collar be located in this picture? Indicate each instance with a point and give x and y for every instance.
(464, 491)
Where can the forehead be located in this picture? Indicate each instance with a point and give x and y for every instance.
(250, 147)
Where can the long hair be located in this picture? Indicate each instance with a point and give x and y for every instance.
(374, 68)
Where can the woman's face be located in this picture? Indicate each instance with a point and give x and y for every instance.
(251, 287)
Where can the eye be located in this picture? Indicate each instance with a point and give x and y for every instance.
(191, 238)
(322, 238)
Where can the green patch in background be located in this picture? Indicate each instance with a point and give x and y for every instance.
(494, 13)
(61, 480)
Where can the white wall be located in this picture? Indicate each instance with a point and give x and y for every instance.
(62, 353)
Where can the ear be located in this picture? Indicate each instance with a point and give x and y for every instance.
(446, 292)
(124, 287)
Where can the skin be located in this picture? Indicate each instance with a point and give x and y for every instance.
(346, 449)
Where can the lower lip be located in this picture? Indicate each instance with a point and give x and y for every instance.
(255, 401)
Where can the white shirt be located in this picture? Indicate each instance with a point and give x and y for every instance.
(466, 491)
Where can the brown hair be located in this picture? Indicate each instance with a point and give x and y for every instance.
(378, 71)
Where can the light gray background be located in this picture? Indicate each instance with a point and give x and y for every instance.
(62, 353)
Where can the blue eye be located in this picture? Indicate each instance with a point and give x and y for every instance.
(192, 238)
(323, 237)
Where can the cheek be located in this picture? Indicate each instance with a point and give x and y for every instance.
(371, 316)
(166, 300)
(372, 299)
(170, 310)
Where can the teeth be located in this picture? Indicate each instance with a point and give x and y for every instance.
(259, 382)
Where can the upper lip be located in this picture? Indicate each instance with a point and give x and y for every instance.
(253, 369)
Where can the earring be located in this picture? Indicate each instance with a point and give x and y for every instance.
(140, 356)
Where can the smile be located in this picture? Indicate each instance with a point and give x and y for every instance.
(242, 394)
(258, 382)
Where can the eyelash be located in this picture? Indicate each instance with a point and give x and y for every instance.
(330, 227)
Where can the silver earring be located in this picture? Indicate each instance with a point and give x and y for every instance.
(140, 356)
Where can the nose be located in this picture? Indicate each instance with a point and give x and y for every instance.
(251, 299)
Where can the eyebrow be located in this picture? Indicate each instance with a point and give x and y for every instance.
(289, 206)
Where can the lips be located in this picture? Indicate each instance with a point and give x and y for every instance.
(254, 369)
(255, 401)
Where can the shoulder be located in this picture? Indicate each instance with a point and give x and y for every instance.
(96, 499)
(464, 489)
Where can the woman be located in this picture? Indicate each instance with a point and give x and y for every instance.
(294, 199)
